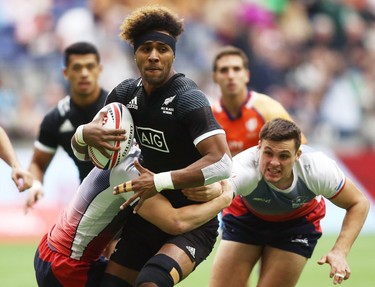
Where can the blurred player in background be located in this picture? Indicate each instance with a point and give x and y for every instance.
(21, 177)
(240, 112)
(70, 253)
(82, 69)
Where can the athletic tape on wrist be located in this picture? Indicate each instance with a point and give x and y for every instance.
(36, 184)
(79, 136)
(163, 181)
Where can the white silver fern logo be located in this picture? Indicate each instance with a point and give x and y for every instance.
(169, 100)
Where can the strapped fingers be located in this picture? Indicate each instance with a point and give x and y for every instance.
(128, 186)
(125, 187)
(339, 275)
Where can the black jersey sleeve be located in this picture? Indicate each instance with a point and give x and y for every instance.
(194, 110)
(48, 130)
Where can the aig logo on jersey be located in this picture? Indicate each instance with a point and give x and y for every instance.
(152, 138)
(168, 110)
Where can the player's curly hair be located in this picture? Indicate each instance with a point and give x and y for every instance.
(151, 18)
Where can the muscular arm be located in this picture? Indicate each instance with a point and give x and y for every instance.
(356, 206)
(215, 165)
(159, 211)
(8, 154)
(39, 163)
(212, 149)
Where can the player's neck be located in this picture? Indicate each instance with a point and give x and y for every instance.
(233, 103)
(83, 100)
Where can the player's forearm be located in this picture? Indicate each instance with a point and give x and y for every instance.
(9, 156)
(7, 152)
(202, 172)
(79, 147)
(352, 224)
(36, 171)
(192, 216)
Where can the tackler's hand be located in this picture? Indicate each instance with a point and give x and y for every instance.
(142, 186)
(203, 193)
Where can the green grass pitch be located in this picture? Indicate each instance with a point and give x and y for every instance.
(16, 266)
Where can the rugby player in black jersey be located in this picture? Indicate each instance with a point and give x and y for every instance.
(82, 69)
(182, 146)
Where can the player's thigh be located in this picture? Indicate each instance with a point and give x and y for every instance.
(125, 273)
(233, 263)
(280, 268)
(182, 259)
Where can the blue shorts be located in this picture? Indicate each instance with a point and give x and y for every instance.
(298, 235)
(53, 269)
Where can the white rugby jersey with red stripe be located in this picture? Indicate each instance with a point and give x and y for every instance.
(315, 175)
(93, 217)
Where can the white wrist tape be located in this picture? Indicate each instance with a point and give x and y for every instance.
(36, 184)
(80, 156)
(79, 136)
(163, 181)
(218, 170)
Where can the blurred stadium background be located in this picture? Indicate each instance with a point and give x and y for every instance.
(315, 57)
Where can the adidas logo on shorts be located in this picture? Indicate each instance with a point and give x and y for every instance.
(191, 250)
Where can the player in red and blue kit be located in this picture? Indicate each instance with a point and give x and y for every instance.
(70, 254)
(276, 218)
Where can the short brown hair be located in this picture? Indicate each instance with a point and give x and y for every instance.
(231, 50)
(281, 130)
(150, 18)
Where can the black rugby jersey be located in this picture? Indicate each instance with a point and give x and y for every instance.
(167, 123)
(60, 124)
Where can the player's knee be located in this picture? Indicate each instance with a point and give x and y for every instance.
(160, 270)
(109, 280)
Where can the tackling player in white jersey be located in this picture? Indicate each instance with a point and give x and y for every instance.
(70, 254)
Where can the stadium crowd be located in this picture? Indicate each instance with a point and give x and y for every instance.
(313, 56)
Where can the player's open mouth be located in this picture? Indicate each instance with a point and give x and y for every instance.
(273, 172)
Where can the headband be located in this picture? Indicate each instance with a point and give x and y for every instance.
(155, 36)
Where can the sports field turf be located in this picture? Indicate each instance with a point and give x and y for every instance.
(16, 266)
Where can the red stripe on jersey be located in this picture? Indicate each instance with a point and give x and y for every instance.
(302, 211)
(236, 208)
(116, 107)
(317, 214)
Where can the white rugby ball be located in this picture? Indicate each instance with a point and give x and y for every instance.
(117, 117)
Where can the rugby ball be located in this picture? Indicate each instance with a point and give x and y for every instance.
(117, 117)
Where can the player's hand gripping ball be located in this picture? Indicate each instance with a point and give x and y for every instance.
(118, 117)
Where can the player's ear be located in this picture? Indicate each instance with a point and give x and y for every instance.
(65, 72)
(214, 77)
(299, 152)
(248, 75)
